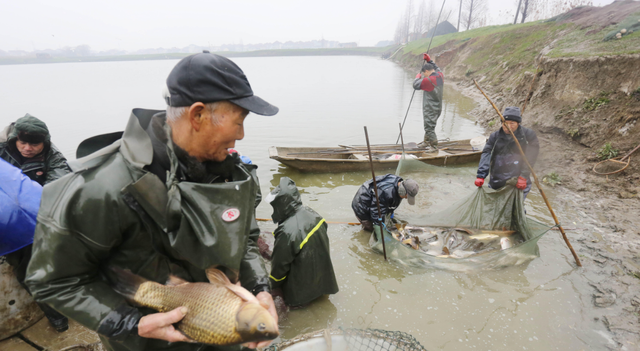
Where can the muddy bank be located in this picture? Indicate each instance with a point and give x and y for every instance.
(576, 105)
(604, 210)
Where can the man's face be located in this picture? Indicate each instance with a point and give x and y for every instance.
(513, 125)
(213, 140)
(427, 73)
(29, 150)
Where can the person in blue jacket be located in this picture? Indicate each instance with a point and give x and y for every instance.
(391, 190)
(501, 157)
(28, 148)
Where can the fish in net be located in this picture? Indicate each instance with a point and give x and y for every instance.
(350, 339)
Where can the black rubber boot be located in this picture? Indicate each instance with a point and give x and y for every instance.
(59, 322)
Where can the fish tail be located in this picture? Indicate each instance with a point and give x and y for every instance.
(126, 283)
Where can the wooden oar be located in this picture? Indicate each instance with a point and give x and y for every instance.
(535, 178)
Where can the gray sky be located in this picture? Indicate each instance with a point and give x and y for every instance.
(139, 24)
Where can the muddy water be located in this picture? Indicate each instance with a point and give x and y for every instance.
(325, 101)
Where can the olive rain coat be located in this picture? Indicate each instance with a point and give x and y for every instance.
(44, 168)
(433, 90)
(502, 158)
(364, 203)
(301, 261)
(112, 212)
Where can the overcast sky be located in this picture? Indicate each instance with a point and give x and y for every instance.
(140, 24)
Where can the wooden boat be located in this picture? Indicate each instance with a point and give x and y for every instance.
(350, 158)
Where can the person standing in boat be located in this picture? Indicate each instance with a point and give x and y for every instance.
(391, 190)
(301, 261)
(431, 81)
(26, 145)
(165, 199)
(501, 156)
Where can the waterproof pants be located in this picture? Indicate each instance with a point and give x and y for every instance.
(430, 120)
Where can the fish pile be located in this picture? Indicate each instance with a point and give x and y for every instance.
(447, 242)
(219, 312)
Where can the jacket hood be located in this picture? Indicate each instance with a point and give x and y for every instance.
(32, 125)
(285, 200)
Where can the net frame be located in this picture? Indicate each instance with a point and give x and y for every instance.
(357, 339)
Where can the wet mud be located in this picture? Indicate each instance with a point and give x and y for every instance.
(604, 212)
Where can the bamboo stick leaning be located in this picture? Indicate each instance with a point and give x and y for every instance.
(375, 189)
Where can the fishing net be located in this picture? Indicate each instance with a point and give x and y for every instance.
(350, 339)
(628, 26)
(485, 229)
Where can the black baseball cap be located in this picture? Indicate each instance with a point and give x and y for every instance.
(209, 78)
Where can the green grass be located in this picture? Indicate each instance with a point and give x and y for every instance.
(607, 151)
(516, 46)
(594, 103)
(552, 179)
(573, 133)
(421, 45)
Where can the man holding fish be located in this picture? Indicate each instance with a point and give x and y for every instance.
(163, 218)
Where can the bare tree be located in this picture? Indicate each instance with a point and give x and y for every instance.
(474, 11)
(515, 20)
(418, 23)
(525, 9)
(398, 36)
(459, 15)
(533, 10)
(408, 17)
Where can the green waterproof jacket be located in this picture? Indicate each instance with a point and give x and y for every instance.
(301, 260)
(44, 168)
(113, 212)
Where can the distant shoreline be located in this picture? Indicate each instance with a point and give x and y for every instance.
(363, 51)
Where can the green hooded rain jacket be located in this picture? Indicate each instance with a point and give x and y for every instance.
(112, 212)
(301, 261)
(44, 168)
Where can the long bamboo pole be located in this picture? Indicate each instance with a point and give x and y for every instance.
(535, 178)
(375, 189)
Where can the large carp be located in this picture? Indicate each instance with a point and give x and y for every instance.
(219, 312)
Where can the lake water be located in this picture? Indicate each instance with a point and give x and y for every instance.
(326, 101)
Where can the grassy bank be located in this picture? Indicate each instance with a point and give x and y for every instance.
(363, 51)
(520, 45)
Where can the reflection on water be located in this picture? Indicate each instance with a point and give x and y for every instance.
(325, 101)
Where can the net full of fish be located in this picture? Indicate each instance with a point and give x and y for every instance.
(449, 242)
(219, 312)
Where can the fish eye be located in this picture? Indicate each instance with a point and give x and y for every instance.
(262, 327)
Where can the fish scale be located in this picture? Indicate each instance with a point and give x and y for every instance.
(211, 328)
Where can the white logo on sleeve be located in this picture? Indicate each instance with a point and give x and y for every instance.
(231, 215)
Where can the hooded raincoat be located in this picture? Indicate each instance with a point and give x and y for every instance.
(433, 90)
(301, 262)
(364, 204)
(114, 212)
(503, 160)
(45, 167)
